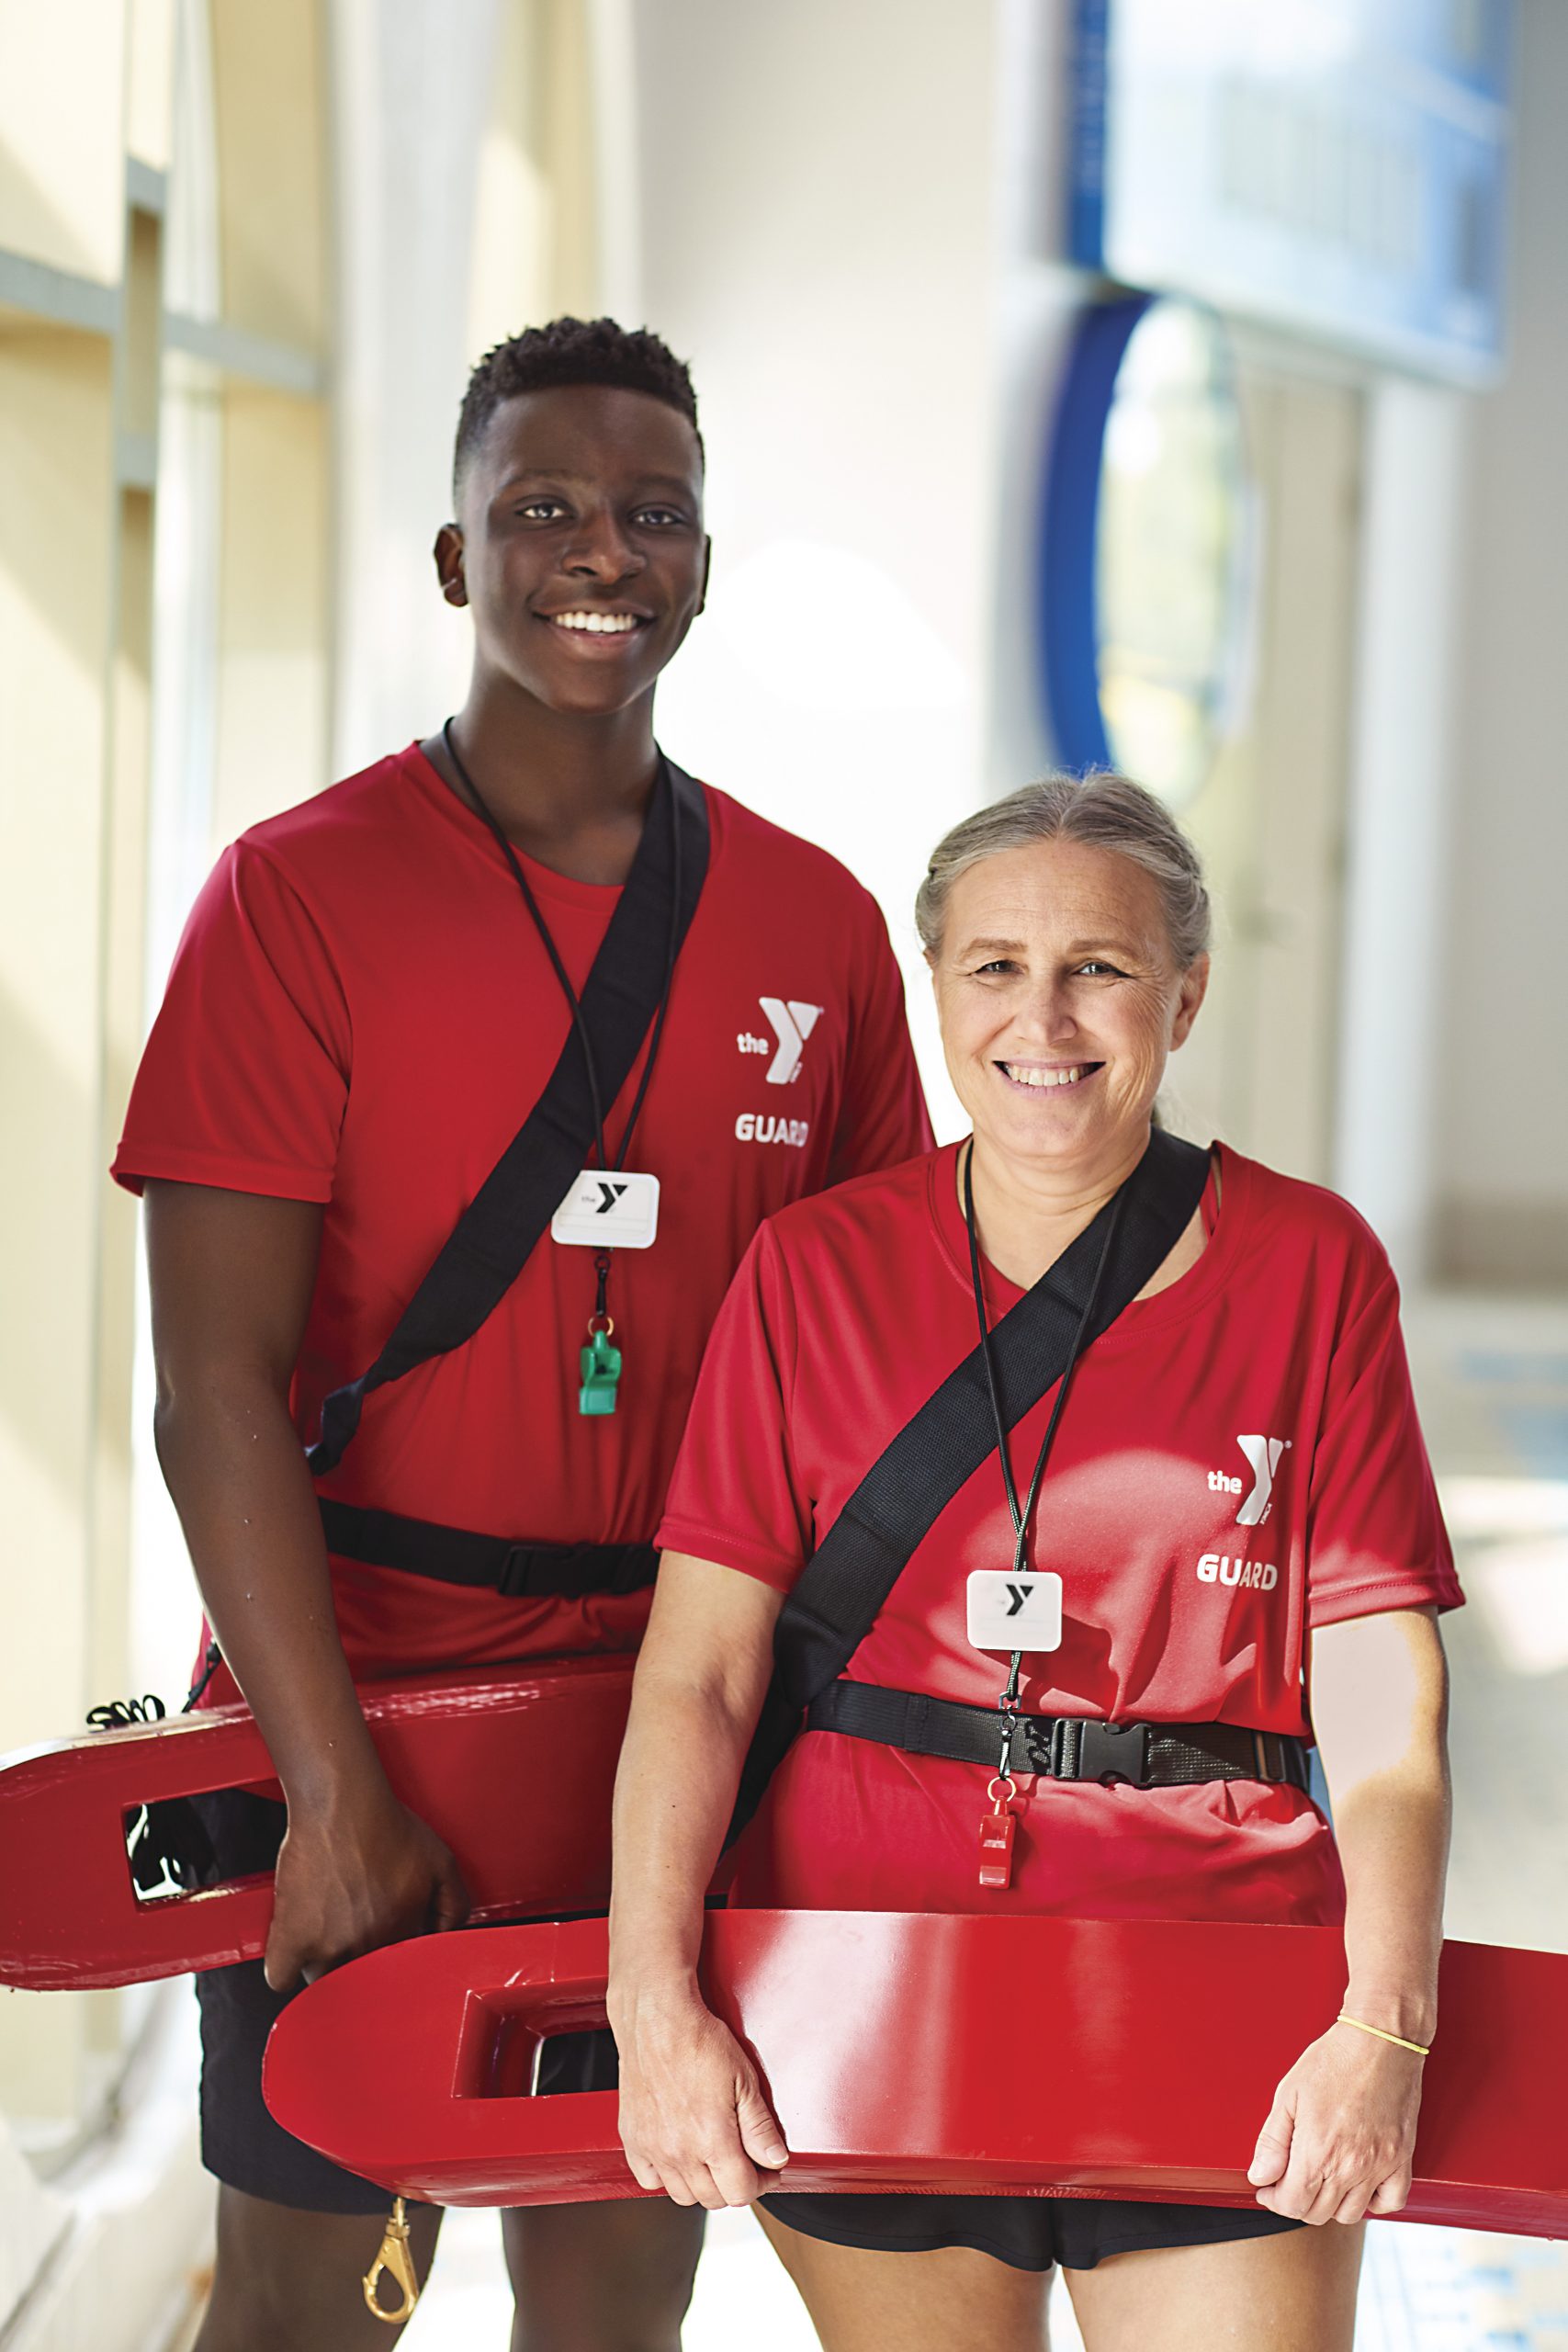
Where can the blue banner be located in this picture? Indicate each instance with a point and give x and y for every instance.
(1336, 167)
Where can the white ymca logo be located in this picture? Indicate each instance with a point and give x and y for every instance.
(1263, 1459)
(1263, 1454)
(792, 1025)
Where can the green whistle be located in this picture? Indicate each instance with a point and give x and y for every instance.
(600, 1374)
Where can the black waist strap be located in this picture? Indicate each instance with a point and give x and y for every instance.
(1065, 1748)
(383, 1539)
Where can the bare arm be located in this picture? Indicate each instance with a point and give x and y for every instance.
(693, 2118)
(232, 1279)
(1339, 2139)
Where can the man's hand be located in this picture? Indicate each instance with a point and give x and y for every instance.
(1341, 2134)
(367, 1876)
(234, 1275)
(693, 2118)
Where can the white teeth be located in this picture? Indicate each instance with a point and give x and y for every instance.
(1021, 1077)
(597, 624)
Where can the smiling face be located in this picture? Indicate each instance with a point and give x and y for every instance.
(578, 544)
(1059, 1000)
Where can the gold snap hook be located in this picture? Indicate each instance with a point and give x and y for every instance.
(396, 2257)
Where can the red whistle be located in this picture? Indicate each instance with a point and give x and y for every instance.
(997, 1831)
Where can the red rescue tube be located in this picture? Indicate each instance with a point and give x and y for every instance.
(1116, 2058)
(512, 1768)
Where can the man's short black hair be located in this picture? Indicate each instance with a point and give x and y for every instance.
(570, 351)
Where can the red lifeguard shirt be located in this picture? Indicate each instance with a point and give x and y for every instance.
(1240, 1460)
(362, 1013)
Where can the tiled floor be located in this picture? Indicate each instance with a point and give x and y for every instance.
(1494, 1385)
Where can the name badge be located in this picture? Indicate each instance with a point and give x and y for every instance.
(608, 1208)
(1015, 1613)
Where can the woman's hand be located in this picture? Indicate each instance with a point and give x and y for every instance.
(1341, 2134)
(693, 2118)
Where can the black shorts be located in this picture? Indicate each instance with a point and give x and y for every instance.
(241, 2142)
(1028, 2233)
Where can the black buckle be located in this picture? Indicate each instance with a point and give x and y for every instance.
(1112, 1752)
(1282, 1759)
(515, 1581)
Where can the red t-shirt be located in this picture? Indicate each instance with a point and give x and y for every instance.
(1239, 1460)
(362, 1013)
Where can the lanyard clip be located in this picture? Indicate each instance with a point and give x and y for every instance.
(396, 2257)
(1007, 1708)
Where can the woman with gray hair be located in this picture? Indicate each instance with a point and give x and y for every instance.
(1216, 1492)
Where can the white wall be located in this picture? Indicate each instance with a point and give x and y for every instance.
(818, 238)
(1452, 1112)
(844, 217)
(838, 216)
(1400, 814)
(1039, 300)
(1501, 1121)
(410, 104)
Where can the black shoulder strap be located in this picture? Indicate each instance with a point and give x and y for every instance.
(495, 1236)
(835, 1599)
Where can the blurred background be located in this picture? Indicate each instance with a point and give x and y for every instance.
(1177, 382)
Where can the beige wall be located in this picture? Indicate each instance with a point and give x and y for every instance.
(62, 146)
(91, 574)
(274, 601)
(268, 94)
(57, 552)
(174, 303)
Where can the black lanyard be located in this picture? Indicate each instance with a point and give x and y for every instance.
(661, 787)
(1006, 1704)
(599, 1321)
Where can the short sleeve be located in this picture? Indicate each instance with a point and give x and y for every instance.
(245, 1075)
(883, 1120)
(1375, 1534)
(737, 1495)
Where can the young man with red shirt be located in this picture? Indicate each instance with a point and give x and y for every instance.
(370, 998)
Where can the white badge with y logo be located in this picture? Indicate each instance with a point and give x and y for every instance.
(1015, 1609)
(608, 1208)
